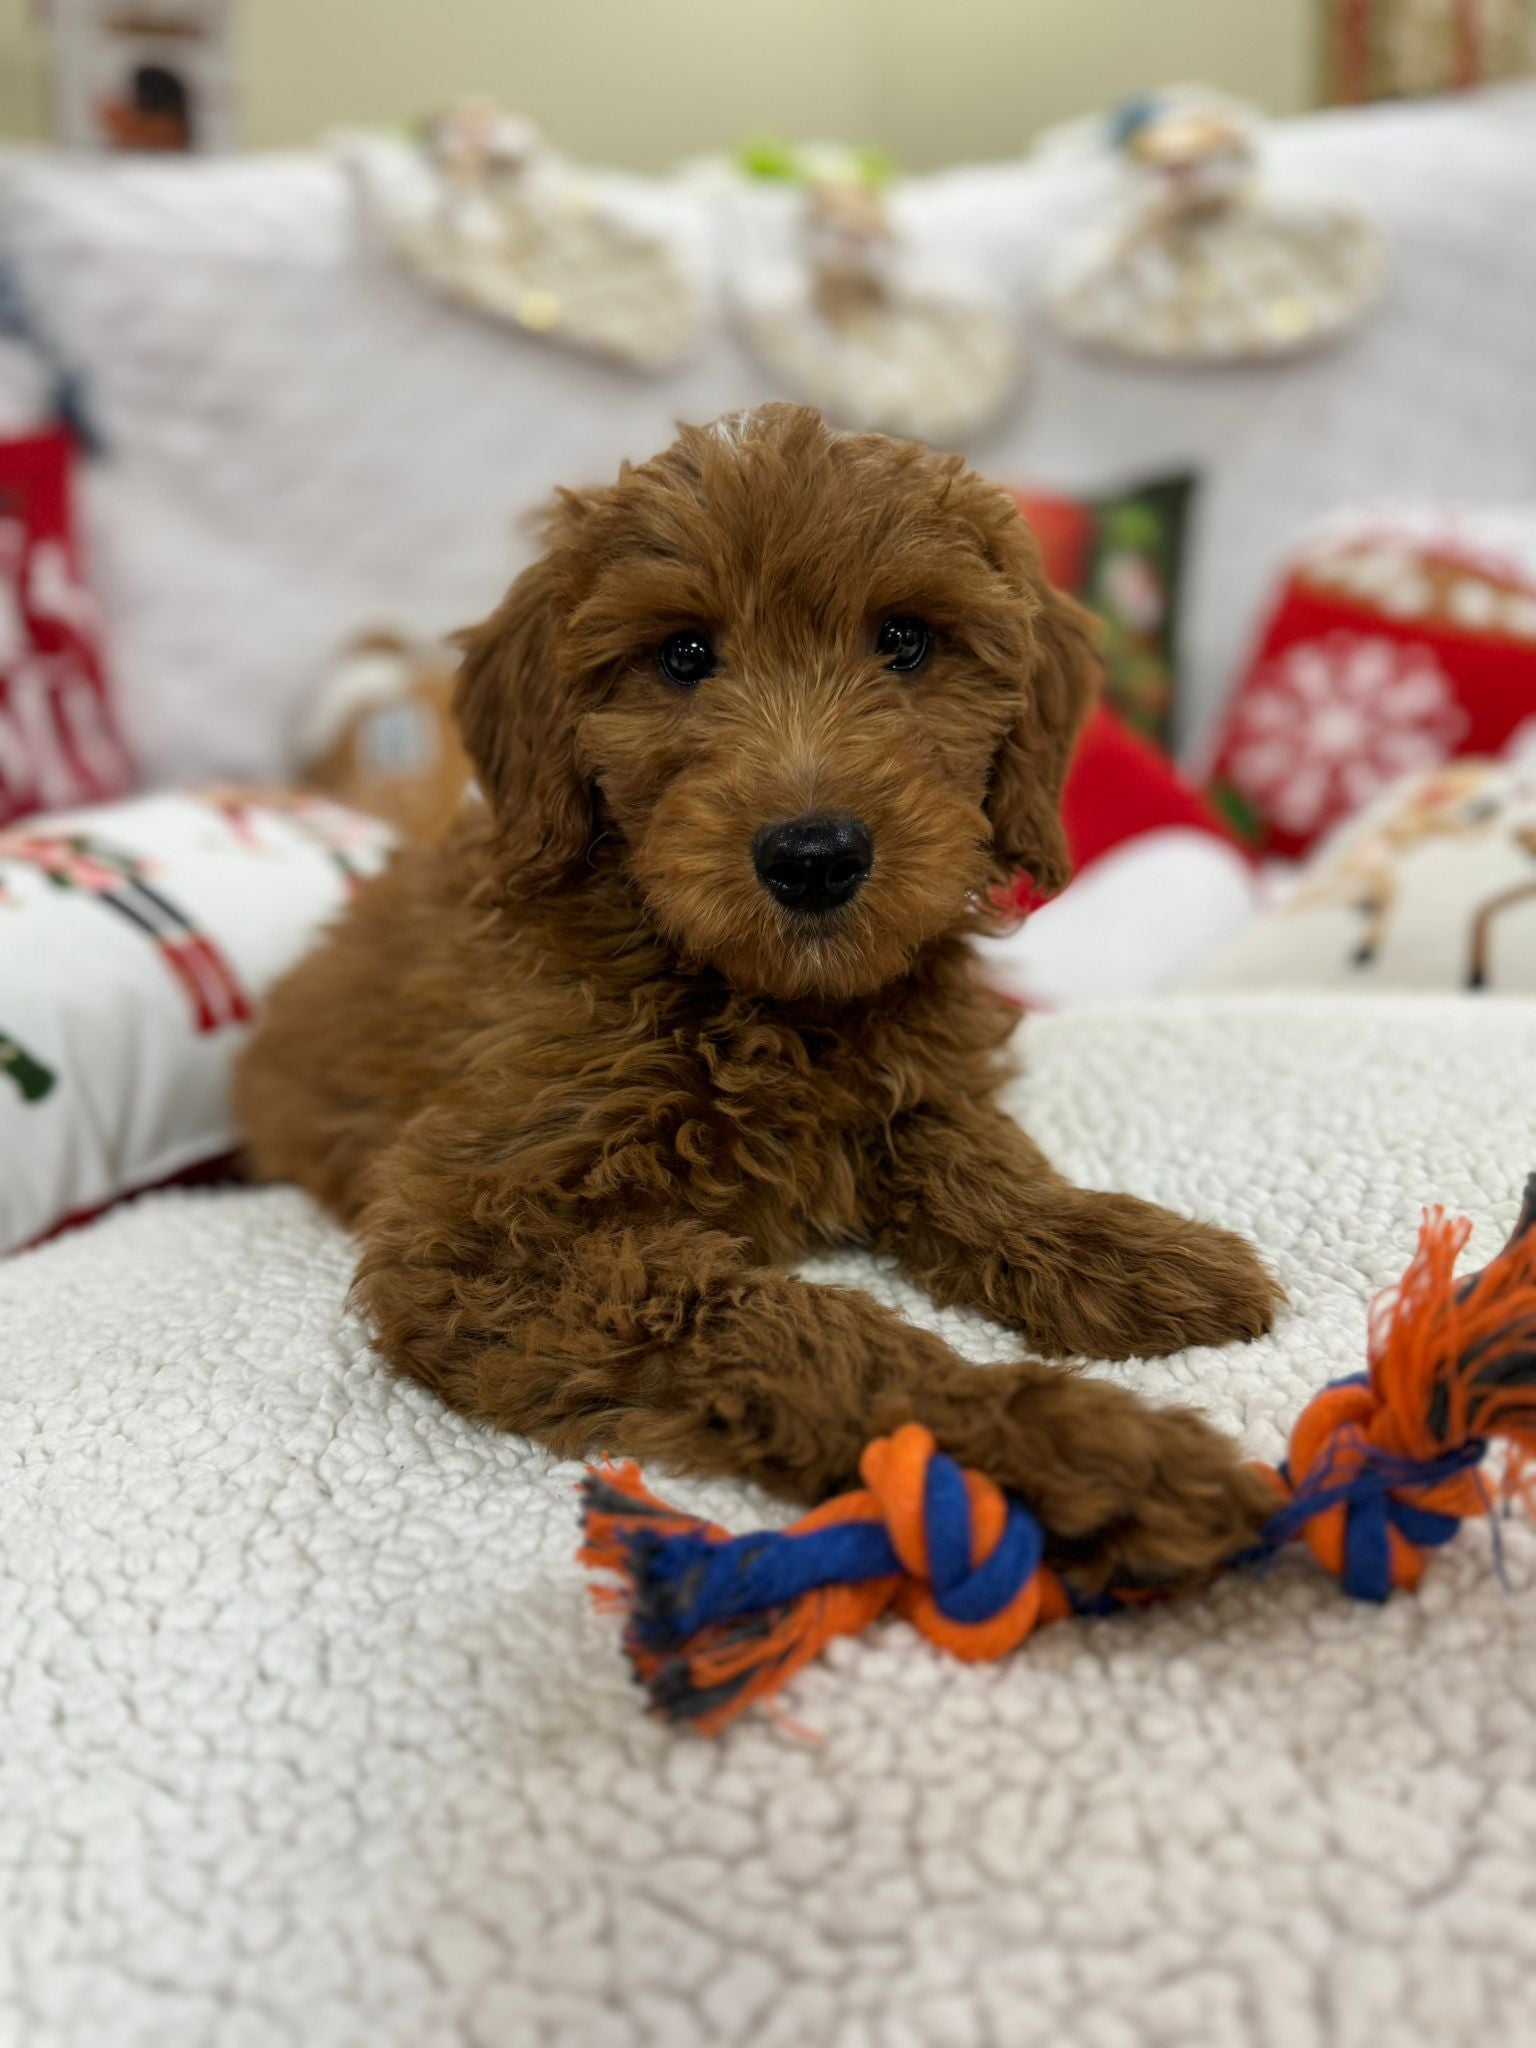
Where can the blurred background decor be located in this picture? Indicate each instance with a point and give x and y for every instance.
(847, 311)
(1396, 49)
(60, 741)
(379, 733)
(481, 208)
(1398, 639)
(1202, 260)
(643, 83)
(1432, 887)
(156, 76)
(1122, 553)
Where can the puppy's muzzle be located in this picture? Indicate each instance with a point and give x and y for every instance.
(813, 864)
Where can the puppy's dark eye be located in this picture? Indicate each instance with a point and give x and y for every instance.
(686, 658)
(905, 644)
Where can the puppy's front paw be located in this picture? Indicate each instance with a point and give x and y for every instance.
(1127, 1279)
(1129, 1495)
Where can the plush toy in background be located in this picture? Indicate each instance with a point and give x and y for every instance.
(483, 154)
(1431, 887)
(850, 247)
(1382, 1467)
(484, 210)
(379, 734)
(1204, 263)
(850, 316)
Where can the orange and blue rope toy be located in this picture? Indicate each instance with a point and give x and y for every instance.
(1382, 1467)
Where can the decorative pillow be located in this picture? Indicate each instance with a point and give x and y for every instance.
(1432, 887)
(1142, 840)
(59, 742)
(1390, 649)
(1122, 555)
(135, 940)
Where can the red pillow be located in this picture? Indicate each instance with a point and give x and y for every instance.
(1063, 527)
(1119, 787)
(1385, 654)
(1158, 882)
(59, 741)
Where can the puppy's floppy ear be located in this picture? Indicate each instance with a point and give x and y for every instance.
(518, 718)
(1024, 802)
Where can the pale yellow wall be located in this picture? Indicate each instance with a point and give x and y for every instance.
(644, 82)
(22, 104)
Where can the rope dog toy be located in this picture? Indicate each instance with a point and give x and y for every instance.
(1382, 1467)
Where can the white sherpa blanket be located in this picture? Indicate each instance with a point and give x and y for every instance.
(310, 1737)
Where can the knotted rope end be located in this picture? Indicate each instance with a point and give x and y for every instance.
(714, 1622)
(1383, 1465)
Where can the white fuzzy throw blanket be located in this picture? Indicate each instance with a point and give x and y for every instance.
(310, 1737)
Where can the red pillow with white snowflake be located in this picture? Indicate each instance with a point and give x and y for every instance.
(1389, 651)
(59, 739)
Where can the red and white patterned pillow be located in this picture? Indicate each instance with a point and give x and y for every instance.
(1391, 648)
(135, 942)
(59, 738)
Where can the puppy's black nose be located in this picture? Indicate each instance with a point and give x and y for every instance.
(813, 863)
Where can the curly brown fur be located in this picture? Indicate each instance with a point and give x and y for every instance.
(584, 1085)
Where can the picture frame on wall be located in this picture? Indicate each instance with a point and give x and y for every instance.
(1401, 49)
(147, 75)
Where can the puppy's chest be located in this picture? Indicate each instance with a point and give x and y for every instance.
(779, 1133)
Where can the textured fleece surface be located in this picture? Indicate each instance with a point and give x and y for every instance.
(310, 1737)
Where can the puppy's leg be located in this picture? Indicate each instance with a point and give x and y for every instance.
(976, 1214)
(660, 1342)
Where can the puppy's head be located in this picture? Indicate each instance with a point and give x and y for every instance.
(811, 690)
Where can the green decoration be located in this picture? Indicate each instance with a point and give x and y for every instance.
(30, 1075)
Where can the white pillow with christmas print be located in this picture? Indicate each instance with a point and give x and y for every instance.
(1433, 887)
(135, 940)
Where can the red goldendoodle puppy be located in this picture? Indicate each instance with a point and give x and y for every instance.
(690, 994)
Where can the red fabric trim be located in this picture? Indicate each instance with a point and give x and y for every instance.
(1118, 787)
(215, 1172)
(1469, 43)
(1354, 51)
(1063, 528)
(1121, 785)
